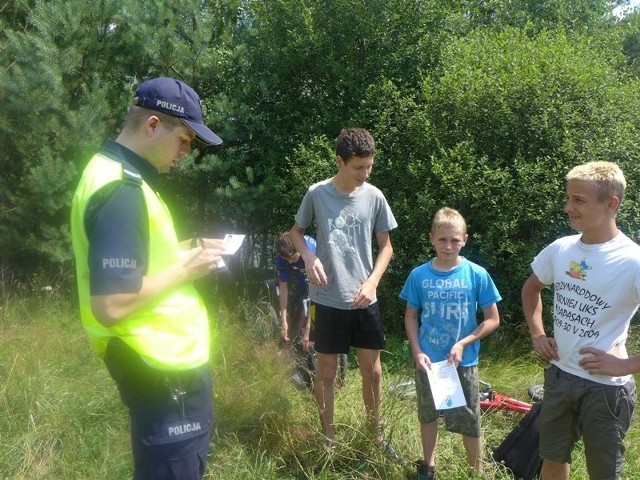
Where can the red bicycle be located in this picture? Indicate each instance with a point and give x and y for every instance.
(490, 399)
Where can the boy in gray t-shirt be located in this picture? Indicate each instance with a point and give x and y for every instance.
(343, 276)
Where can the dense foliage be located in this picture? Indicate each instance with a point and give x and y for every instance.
(478, 105)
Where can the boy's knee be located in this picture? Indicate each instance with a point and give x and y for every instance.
(326, 372)
(327, 377)
(373, 374)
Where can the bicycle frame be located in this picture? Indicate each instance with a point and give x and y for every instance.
(503, 402)
(490, 399)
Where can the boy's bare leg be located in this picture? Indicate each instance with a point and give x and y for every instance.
(555, 471)
(429, 436)
(371, 371)
(326, 368)
(473, 447)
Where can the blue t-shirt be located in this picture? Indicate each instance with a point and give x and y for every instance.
(294, 272)
(447, 303)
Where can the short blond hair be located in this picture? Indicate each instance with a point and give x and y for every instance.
(448, 217)
(607, 176)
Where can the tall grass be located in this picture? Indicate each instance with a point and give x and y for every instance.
(61, 418)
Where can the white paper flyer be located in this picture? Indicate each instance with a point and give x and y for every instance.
(445, 386)
(232, 243)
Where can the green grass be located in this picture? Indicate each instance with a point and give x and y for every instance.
(61, 418)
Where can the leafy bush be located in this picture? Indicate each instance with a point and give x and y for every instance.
(493, 135)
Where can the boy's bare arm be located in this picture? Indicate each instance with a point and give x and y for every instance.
(411, 327)
(599, 362)
(297, 238)
(489, 324)
(367, 291)
(312, 264)
(532, 308)
(385, 252)
(283, 297)
(111, 309)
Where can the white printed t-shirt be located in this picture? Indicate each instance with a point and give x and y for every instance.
(596, 291)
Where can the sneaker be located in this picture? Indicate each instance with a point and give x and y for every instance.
(390, 452)
(425, 472)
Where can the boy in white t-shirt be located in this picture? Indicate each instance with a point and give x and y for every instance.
(589, 389)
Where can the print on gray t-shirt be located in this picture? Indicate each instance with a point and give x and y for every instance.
(345, 227)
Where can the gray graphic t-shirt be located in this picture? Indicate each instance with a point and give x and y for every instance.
(345, 227)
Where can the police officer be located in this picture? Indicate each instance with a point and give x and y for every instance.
(137, 301)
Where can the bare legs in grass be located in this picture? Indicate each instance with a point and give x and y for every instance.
(371, 371)
(472, 446)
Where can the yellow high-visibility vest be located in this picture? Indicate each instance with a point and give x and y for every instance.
(171, 332)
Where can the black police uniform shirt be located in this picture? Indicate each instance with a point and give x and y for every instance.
(116, 223)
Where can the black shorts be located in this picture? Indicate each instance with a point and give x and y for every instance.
(171, 414)
(335, 330)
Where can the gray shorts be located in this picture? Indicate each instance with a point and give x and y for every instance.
(463, 420)
(574, 407)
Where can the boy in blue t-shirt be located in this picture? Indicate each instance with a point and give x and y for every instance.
(447, 291)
